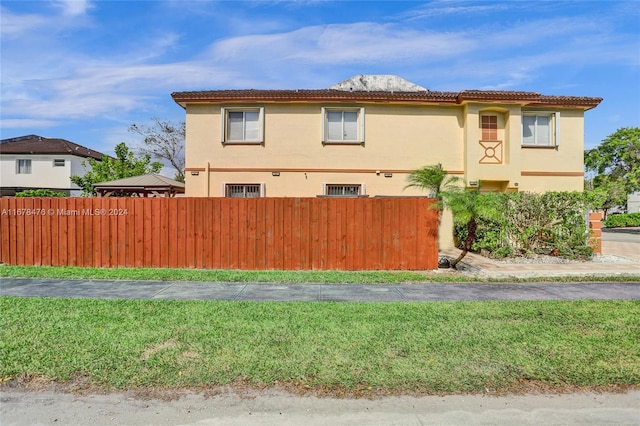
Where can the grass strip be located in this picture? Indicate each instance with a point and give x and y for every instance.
(329, 277)
(416, 347)
(171, 274)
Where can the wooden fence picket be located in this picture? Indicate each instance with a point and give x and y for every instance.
(221, 233)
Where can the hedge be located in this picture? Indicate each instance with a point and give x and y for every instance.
(622, 220)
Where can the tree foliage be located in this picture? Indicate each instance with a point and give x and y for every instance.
(605, 192)
(164, 141)
(436, 181)
(40, 193)
(468, 208)
(125, 165)
(433, 179)
(532, 223)
(616, 165)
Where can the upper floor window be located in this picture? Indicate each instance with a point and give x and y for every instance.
(58, 162)
(243, 190)
(540, 129)
(489, 124)
(343, 125)
(343, 190)
(242, 125)
(23, 167)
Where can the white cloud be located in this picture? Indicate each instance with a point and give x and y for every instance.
(14, 25)
(71, 13)
(73, 7)
(344, 43)
(446, 8)
(44, 82)
(26, 123)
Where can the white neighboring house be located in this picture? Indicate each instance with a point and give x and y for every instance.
(633, 202)
(35, 162)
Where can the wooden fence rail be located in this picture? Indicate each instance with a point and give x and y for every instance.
(221, 233)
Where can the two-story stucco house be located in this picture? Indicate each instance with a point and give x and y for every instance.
(34, 162)
(363, 136)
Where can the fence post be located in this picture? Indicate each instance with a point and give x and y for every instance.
(595, 232)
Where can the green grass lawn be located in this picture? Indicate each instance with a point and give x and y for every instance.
(330, 277)
(339, 347)
(171, 274)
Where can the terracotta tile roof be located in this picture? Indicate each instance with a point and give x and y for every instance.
(424, 96)
(569, 100)
(311, 95)
(37, 145)
(498, 95)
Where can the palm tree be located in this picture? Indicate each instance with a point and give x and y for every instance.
(468, 207)
(435, 180)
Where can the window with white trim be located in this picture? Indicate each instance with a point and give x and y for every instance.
(342, 190)
(342, 125)
(244, 190)
(540, 129)
(242, 125)
(58, 162)
(23, 167)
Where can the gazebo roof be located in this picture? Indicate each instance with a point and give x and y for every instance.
(142, 185)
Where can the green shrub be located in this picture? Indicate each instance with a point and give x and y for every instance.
(621, 220)
(552, 222)
(490, 238)
(40, 193)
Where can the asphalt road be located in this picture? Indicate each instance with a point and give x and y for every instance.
(623, 235)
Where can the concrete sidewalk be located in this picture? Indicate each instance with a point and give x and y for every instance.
(158, 290)
(620, 257)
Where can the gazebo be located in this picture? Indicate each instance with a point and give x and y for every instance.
(140, 186)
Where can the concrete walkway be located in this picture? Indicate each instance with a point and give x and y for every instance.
(620, 257)
(159, 290)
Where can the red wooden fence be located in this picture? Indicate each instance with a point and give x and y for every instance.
(221, 233)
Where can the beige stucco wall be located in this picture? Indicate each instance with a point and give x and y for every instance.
(556, 168)
(559, 168)
(293, 139)
(398, 139)
(477, 169)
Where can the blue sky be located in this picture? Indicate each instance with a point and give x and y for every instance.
(86, 70)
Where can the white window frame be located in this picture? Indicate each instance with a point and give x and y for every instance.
(23, 166)
(59, 162)
(326, 187)
(224, 134)
(225, 185)
(554, 128)
(359, 140)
